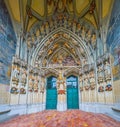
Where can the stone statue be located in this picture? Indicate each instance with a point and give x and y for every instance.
(78, 29)
(55, 23)
(92, 78)
(50, 52)
(35, 86)
(42, 30)
(100, 73)
(15, 73)
(23, 76)
(93, 40)
(42, 86)
(74, 27)
(47, 27)
(81, 80)
(86, 82)
(107, 70)
(65, 21)
(60, 59)
(30, 85)
(51, 24)
(88, 36)
(14, 90)
(83, 33)
(44, 62)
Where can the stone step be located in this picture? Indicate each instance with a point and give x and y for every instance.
(4, 111)
(113, 115)
(6, 117)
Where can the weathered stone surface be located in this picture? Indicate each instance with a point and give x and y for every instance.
(69, 118)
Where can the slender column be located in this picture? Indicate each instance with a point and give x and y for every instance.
(26, 52)
(21, 48)
(96, 80)
(27, 92)
(113, 94)
(18, 46)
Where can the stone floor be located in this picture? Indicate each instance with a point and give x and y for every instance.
(69, 118)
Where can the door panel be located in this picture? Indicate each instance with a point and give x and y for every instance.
(51, 101)
(72, 93)
(51, 93)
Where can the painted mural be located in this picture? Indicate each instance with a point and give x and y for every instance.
(7, 44)
(113, 39)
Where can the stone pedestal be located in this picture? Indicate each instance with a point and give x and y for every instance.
(61, 106)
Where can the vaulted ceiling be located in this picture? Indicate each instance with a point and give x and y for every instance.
(28, 12)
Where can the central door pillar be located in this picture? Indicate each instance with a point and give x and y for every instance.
(61, 90)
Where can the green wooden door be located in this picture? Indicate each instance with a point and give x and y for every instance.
(51, 93)
(72, 93)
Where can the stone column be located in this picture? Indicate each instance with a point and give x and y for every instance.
(18, 46)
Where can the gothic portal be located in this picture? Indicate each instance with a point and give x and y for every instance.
(59, 55)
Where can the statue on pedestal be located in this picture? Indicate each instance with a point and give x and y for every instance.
(30, 88)
(107, 70)
(83, 33)
(42, 86)
(93, 40)
(61, 88)
(35, 86)
(100, 73)
(23, 76)
(15, 74)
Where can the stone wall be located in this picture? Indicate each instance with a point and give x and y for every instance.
(113, 41)
(4, 94)
(7, 44)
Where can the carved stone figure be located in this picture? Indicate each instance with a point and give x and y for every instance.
(42, 86)
(73, 51)
(65, 21)
(74, 27)
(55, 23)
(30, 85)
(23, 76)
(101, 89)
(60, 59)
(107, 70)
(69, 22)
(78, 29)
(42, 29)
(93, 40)
(108, 87)
(61, 84)
(60, 5)
(86, 82)
(51, 24)
(15, 74)
(50, 52)
(88, 36)
(47, 27)
(81, 80)
(100, 73)
(14, 90)
(35, 86)
(83, 32)
(92, 78)
(44, 62)
(22, 91)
